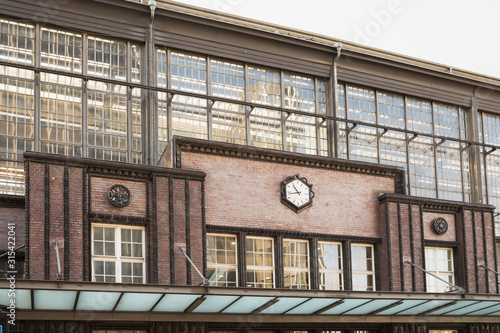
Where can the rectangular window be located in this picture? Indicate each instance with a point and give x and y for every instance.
(439, 261)
(118, 254)
(363, 267)
(330, 266)
(222, 263)
(260, 262)
(296, 263)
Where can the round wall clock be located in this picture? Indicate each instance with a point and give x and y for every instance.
(296, 193)
(440, 225)
(119, 195)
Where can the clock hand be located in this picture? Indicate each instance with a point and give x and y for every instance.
(295, 188)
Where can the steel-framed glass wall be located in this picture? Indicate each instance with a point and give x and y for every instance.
(77, 94)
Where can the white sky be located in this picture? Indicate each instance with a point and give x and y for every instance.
(458, 33)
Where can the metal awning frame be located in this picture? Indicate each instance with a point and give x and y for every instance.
(249, 304)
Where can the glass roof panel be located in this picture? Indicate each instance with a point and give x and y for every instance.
(368, 308)
(247, 304)
(97, 301)
(137, 302)
(21, 296)
(175, 303)
(284, 304)
(472, 308)
(450, 308)
(406, 305)
(215, 303)
(313, 305)
(424, 307)
(485, 311)
(346, 306)
(54, 299)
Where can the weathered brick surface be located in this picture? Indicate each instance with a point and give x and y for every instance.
(429, 232)
(37, 221)
(179, 230)
(405, 247)
(246, 193)
(394, 254)
(383, 261)
(99, 197)
(196, 231)
(75, 193)
(12, 215)
(468, 245)
(490, 254)
(56, 183)
(480, 259)
(418, 251)
(162, 211)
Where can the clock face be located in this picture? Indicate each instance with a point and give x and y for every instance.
(119, 195)
(440, 226)
(296, 193)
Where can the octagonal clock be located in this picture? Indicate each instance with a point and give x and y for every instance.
(296, 193)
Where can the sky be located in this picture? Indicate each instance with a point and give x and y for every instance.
(458, 33)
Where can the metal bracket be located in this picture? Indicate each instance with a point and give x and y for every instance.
(490, 151)
(383, 133)
(415, 135)
(349, 129)
(205, 280)
(170, 98)
(440, 142)
(457, 288)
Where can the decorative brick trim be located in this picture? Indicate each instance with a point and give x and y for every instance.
(400, 235)
(154, 233)
(389, 241)
(276, 156)
(188, 231)
(109, 218)
(86, 224)
(171, 239)
(27, 166)
(429, 204)
(476, 273)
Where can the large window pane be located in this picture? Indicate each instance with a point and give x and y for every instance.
(296, 264)
(107, 58)
(422, 172)
(439, 261)
(61, 115)
(188, 73)
(330, 266)
(222, 260)
(17, 42)
(391, 110)
(361, 104)
(61, 50)
(264, 86)
(363, 267)
(260, 262)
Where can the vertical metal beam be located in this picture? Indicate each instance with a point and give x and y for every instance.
(149, 114)
(474, 129)
(170, 98)
(129, 102)
(210, 103)
(407, 142)
(84, 96)
(247, 108)
(242, 259)
(36, 93)
(283, 114)
(331, 109)
(434, 148)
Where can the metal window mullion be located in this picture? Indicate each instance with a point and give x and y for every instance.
(129, 102)
(317, 120)
(37, 92)
(170, 96)
(434, 148)
(84, 96)
(283, 114)
(118, 254)
(375, 92)
(347, 133)
(247, 108)
(210, 103)
(407, 143)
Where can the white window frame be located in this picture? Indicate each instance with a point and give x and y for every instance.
(117, 258)
(363, 272)
(433, 284)
(322, 284)
(297, 269)
(226, 266)
(261, 267)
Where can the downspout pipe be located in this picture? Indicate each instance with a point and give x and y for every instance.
(332, 128)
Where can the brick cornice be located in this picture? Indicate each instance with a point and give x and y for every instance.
(276, 156)
(435, 204)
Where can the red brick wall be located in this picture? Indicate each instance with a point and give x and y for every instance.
(179, 230)
(12, 215)
(56, 195)
(196, 230)
(429, 232)
(99, 197)
(162, 211)
(246, 193)
(75, 180)
(37, 221)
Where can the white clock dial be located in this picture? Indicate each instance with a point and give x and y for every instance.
(297, 193)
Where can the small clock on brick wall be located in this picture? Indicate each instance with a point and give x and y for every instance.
(119, 195)
(296, 193)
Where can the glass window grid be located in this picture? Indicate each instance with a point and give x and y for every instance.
(16, 126)
(188, 72)
(361, 104)
(363, 267)
(260, 262)
(422, 167)
(17, 42)
(113, 258)
(449, 166)
(296, 264)
(61, 50)
(228, 123)
(264, 86)
(363, 144)
(446, 121)
(439, 261)
(61, 115)
(222, 260)
(491, 172)
(391, 110)
(330, 266)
